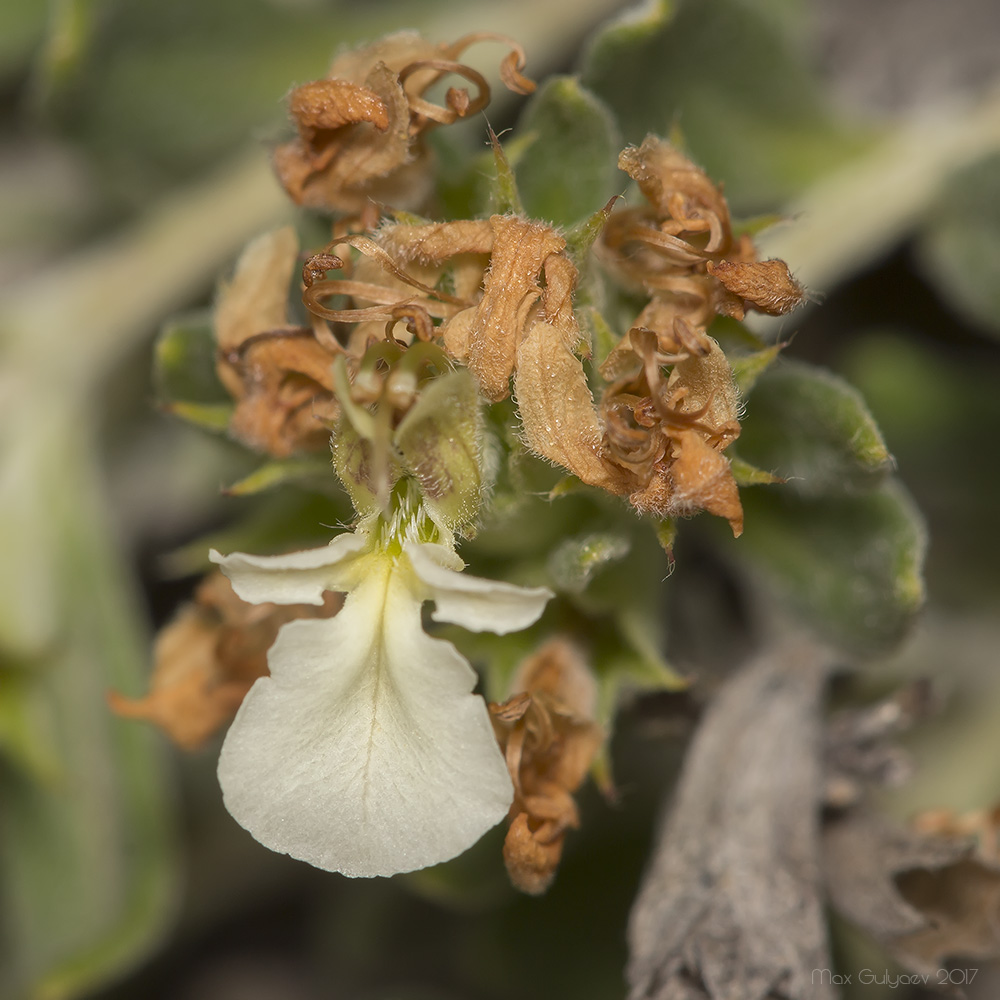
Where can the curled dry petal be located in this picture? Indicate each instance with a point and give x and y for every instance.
(705, 384)
(256, 300)
(550, 739)
(369, 155)
(698, 478)
(207, 659)
(279, 374)
(678, 190)
(766, 285)
(359, 130)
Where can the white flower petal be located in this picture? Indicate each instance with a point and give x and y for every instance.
(470, 601)
(365, 752)
(293, 578)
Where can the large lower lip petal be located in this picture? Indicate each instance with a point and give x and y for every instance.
(365, 751)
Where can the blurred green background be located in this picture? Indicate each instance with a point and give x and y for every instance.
(133, 167)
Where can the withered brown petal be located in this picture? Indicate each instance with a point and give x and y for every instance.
(672, 182)
(557, 409)
(557, 669)
(708, 384)
(207, 658)
(286, 401)
(329, 104)
(927, 899)
(257, 297)
(703, 480)
(187, 698)
(699, 478)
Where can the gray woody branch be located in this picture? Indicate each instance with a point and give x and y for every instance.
(730, 907)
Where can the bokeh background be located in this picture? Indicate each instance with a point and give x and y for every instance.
(133, 167)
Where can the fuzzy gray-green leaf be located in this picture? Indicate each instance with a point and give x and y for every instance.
(960, 249)
(569, 171)
(726, 75)
(810, 427)
(853, 566)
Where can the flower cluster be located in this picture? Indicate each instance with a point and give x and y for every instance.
(362, 747)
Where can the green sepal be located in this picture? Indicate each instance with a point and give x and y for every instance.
(570, 168)
(439, 443)
(747, 368)
(504, 195)
(852, 566)
(354, 461)
(732, 334)
(603, 339)
(575, 561)
(754, 225)
(746, 474)
(666, 534)
(581, 237)
(813, 429)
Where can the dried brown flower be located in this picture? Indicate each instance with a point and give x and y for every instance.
(359, 130)
(207, 659)
(670, 407)
(507, 273)
(549, 738)
(278, 373)
(656, 439)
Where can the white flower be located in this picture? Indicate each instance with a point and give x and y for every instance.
(365, 751)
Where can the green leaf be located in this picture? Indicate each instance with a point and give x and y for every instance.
(576, 560)
(570, 170)
(85, 830)
(184, 363)
(752, 115)
(810, 427)
(853, 566)
(308, 470)
(22, 27)
(214, 417)
(27, 739)
(960, 247)
(71, 29)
